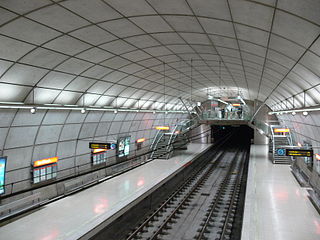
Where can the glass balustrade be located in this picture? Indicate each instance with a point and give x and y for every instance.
(235, 114)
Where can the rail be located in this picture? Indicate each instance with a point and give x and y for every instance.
(235, 187)
(160, 221)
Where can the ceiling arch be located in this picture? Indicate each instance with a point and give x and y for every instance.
(132, 53)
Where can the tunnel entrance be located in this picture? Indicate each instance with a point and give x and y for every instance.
(241, 133)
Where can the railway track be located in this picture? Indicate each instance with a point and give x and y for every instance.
(203, 207)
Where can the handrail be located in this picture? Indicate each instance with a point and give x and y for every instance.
(155, 139)
(155, 142)
(182, 127)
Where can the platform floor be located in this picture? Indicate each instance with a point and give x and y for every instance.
(75, 215)
(276, 207)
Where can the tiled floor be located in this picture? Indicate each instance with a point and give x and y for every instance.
(75, 215)
(276, 207)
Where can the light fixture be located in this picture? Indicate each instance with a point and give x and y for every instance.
(115, 111)
(98, 150)
(45, 161)
(162, 128)
(281, 130)
(241, 99)
(68, 107)
(293, 113)
(83, 110)
(305, 113)
(140, 140)
(33, 110)
(219, 100)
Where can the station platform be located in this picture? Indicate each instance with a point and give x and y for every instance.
(276, 207)
(74, 216)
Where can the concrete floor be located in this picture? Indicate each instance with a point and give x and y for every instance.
(276, 207)
(75, 215)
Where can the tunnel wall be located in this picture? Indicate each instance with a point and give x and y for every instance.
(200, 134)
(25, 138)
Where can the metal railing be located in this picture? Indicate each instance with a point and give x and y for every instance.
(232, 115)
(179, 129)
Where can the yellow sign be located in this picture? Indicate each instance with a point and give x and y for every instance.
(299, 153)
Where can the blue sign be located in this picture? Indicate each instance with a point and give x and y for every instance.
(281, 152)
(3, 161)
(113, 146)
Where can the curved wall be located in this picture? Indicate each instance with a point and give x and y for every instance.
(26, 137)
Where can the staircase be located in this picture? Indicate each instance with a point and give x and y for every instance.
(165, 142)
(280, 142)
(180, 142)
(161, 151)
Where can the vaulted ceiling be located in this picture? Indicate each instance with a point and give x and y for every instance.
(140, 53)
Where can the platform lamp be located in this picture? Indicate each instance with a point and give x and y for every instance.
(33, 110)
(116, 101)
(191, 75)
(164, 93)
(305, 113)
(293, 112)
(83, 109)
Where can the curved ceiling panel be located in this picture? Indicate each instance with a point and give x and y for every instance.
(132, 53)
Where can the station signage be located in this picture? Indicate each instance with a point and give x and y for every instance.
(107, 146)
(299, 152)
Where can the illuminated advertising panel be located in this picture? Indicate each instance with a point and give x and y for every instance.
(45, 169)
(3, 161)
(123, 146)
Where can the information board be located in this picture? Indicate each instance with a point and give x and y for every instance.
(123, 146)
(3, 162)
(108, 146)
(299, 152)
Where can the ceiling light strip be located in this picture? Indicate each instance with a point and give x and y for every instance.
(296, 110)
(13, 105)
